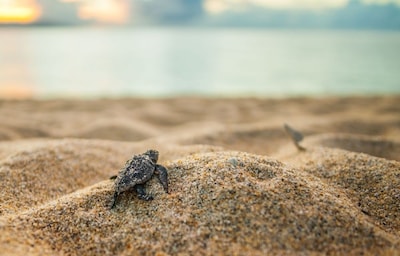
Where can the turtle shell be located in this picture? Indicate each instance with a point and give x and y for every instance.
(137, 170)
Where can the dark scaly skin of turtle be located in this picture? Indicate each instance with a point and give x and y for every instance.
(136, 172)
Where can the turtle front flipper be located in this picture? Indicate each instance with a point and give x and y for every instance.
(142, 193)
(296, 136)
(162, 174)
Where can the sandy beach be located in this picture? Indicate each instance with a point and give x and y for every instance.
(238, 185)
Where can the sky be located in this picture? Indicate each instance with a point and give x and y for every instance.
(19, 11)
(126, 11)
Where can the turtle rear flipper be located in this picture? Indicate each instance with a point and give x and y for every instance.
(142, 193)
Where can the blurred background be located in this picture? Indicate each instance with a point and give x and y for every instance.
(163, 48)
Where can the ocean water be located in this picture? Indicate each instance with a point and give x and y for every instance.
(115, 62)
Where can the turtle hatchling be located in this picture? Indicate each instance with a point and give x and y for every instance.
(136, 172)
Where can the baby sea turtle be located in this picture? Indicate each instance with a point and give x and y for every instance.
(136, 172)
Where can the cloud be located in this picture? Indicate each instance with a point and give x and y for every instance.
(381, 2)
(56, 12)
(300, 4)
(218, 6)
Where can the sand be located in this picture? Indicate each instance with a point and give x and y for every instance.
(238, 185)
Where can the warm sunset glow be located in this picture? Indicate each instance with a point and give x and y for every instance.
(19, 11)
(16, 92)
(215, 6)
(105, 11)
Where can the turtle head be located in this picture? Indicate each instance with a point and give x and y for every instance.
(153, 154)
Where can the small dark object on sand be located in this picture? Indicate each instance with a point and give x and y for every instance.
(137, 171)
(296, 136)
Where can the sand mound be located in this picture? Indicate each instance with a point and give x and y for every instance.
(113, 132)
(254, 138)
(374, 146)
(372, 184)
(340, 196)
(219, 203)
(359, 126)
(31, 177)
(14, 133)
(47, 170)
